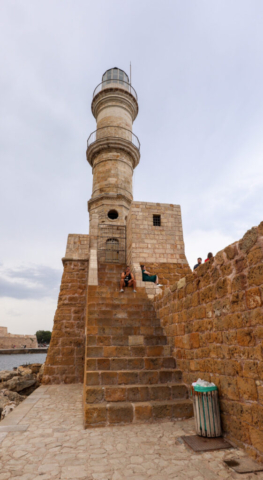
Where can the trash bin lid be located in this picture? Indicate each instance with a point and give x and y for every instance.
(198, 388)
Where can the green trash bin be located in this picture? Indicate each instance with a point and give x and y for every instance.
(206, 411)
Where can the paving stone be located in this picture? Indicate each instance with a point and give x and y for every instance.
(13, 428)
(55, 446)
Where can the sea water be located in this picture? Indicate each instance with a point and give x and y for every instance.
(8, 362)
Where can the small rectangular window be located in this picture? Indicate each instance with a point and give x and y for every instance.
(156, 220)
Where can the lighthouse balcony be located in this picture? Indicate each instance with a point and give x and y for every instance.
(113, 137)
(113, 132)
(113, 84)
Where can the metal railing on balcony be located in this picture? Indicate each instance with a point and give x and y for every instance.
(113, 132)
(115, 83)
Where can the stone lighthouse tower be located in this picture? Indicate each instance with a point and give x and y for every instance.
(121, 231)
(113, 152)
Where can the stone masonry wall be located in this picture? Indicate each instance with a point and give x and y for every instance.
(65, 358)
(77, 247)
(214, 321)
(168, 273)
(155, 244)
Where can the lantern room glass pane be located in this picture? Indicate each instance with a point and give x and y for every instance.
(115, 75)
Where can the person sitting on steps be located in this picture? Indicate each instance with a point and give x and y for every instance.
(127, 280)
(147, 277)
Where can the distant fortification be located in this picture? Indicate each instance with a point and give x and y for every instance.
(9, 340)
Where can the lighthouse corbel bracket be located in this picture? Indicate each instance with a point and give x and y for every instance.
(114, 143)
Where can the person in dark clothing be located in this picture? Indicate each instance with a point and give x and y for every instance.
(127, 280)
(199, 261)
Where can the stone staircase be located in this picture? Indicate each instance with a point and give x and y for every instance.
(130, 375)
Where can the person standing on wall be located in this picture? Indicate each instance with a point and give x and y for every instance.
(209, 257)
(199, 262)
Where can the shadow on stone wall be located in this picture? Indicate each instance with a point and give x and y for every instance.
(214, 321)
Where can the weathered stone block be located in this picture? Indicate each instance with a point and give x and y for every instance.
(256, 438)
(115, 394)
(120, 413)
(95, 415)
(136, 340)
(253, 298)
(247, 388)
(255, 275)
(245, 337)
(229, 387)
(139, 393)
(109, 378)
(94, 395)
(128, 378)
(142, 412)
(248, 240)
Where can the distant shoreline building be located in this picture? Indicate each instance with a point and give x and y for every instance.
(9, 340)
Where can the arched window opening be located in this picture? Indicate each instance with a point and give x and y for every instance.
(112, 250)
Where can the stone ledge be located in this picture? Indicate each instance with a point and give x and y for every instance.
(71, 259)
(118, 143)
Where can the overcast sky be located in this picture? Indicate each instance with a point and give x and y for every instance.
(198, 71)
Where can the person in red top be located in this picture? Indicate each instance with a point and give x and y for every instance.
(209, 256)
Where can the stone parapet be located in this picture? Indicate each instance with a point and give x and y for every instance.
(213, 320)
(77, 247)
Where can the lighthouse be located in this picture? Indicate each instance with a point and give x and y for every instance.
(113, 151)
(122, 230)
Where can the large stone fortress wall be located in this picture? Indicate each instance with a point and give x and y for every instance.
(214, 321)
(8, 340)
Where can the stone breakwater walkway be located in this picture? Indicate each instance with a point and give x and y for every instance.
(44, 439)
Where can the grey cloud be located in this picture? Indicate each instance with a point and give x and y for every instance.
(34, 282)
(198, 72)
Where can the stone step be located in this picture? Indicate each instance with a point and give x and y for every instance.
(132, 377)
(123, 317)
(135, 351)
(135, 393)
(121, 413)
(109, 312)
(128, 294)
(95, 330)
(122, 302)
(113, 298)
(138, 363)
(118, 340)
(136, 321)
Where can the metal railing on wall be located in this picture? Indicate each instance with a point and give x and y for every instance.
(111, 83)
(114, 132)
